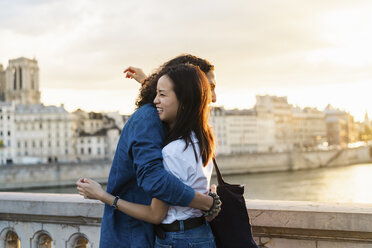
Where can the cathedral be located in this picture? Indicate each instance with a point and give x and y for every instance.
(19, 83)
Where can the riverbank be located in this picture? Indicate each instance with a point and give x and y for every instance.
(18, 177)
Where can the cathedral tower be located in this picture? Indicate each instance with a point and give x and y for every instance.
(22, 81)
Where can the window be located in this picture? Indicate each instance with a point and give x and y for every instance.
(78, 240)
(44, 241)
(14, 78)
(32, 79)
(81, 243)
(82, 150)
(89, 150)
(12, 240)
(20, 78)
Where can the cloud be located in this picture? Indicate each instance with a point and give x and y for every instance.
(86, 44)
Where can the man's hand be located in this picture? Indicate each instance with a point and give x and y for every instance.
(135, 73)
(213, 189)
(90, 189)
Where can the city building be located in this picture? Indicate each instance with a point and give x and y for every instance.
(97, 135)
(365, 129)
(283, 117)
(309, 128)
(44, 134)
(2, 83)
(218, 122)
(97, 146)
(266, 129)
(7, 133)
(341, 128)
(242, 131)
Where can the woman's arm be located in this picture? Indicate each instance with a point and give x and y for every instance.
(154, 213)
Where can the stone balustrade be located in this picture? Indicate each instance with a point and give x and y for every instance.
(49, 220)
(65, 220)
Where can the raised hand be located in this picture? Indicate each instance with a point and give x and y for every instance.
(135, 73)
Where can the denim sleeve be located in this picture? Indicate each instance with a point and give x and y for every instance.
(146, 141)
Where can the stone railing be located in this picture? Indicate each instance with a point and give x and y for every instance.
(62, 220)
(291, 224)
(49, 220)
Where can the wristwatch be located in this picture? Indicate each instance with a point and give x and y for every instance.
(114, 205)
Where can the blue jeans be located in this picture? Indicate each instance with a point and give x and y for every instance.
(199, 237)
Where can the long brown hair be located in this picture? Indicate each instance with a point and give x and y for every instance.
(193, 92)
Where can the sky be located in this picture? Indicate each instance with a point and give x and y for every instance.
(315, 52)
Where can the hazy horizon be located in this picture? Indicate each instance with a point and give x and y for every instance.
(314, 52)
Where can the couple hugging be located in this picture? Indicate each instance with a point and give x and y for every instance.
(157, 191)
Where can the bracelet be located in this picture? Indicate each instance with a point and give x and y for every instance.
(215, 206)
(114, 205)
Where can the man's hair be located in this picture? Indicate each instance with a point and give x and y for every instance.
(148, 91)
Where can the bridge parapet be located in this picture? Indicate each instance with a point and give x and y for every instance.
(66, 220)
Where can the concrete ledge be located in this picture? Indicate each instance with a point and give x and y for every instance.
(67, 205)
(291, 220)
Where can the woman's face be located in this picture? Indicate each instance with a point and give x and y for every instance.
(166, 101)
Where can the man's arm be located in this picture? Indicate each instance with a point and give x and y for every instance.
(146, 144)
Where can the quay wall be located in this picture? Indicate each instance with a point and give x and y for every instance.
(47, 175)
(67, 219)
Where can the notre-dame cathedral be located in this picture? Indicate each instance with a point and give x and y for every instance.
(19, 82)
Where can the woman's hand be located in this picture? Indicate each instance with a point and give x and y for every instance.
(90, 189)
(135, 73)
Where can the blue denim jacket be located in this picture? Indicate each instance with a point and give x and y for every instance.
(137, 175)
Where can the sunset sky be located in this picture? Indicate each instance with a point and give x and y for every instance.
(315, 52)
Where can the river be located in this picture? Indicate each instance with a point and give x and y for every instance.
(342, 184)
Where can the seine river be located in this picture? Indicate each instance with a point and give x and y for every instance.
(342, 184)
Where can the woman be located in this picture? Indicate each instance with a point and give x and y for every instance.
(182, 98)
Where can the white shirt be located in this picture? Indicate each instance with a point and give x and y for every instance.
(182, 164)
